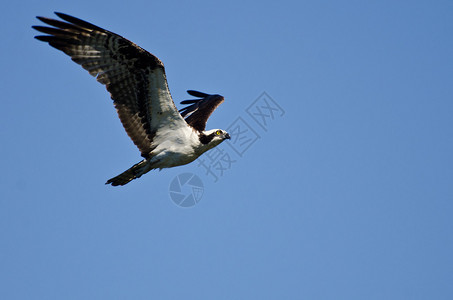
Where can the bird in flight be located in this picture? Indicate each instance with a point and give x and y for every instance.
(138, 86)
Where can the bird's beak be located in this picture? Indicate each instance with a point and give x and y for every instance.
(227, 136)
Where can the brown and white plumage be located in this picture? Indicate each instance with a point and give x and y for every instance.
(138, 87)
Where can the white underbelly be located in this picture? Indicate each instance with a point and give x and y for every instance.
(175, 150)
(171, 159)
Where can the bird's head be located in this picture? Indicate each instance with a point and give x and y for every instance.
(214, 137)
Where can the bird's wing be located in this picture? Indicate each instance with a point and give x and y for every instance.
(197, 114)
(134, 77)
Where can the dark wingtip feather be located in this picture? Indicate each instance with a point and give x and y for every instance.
(65, 17)
(77, 21)
(46, 20)
(43, 38)
(61, 25)
(197, 93)
(48, 30)
(189, 101)
(41, 18)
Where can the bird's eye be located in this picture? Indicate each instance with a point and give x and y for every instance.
(218, 132)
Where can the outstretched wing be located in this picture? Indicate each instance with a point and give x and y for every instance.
(134, 77)
(198, 113)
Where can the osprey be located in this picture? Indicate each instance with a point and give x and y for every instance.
(138, 87)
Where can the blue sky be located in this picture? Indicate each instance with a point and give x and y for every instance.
(348, 194)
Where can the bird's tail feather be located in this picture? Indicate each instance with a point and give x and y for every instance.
(133, 172)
